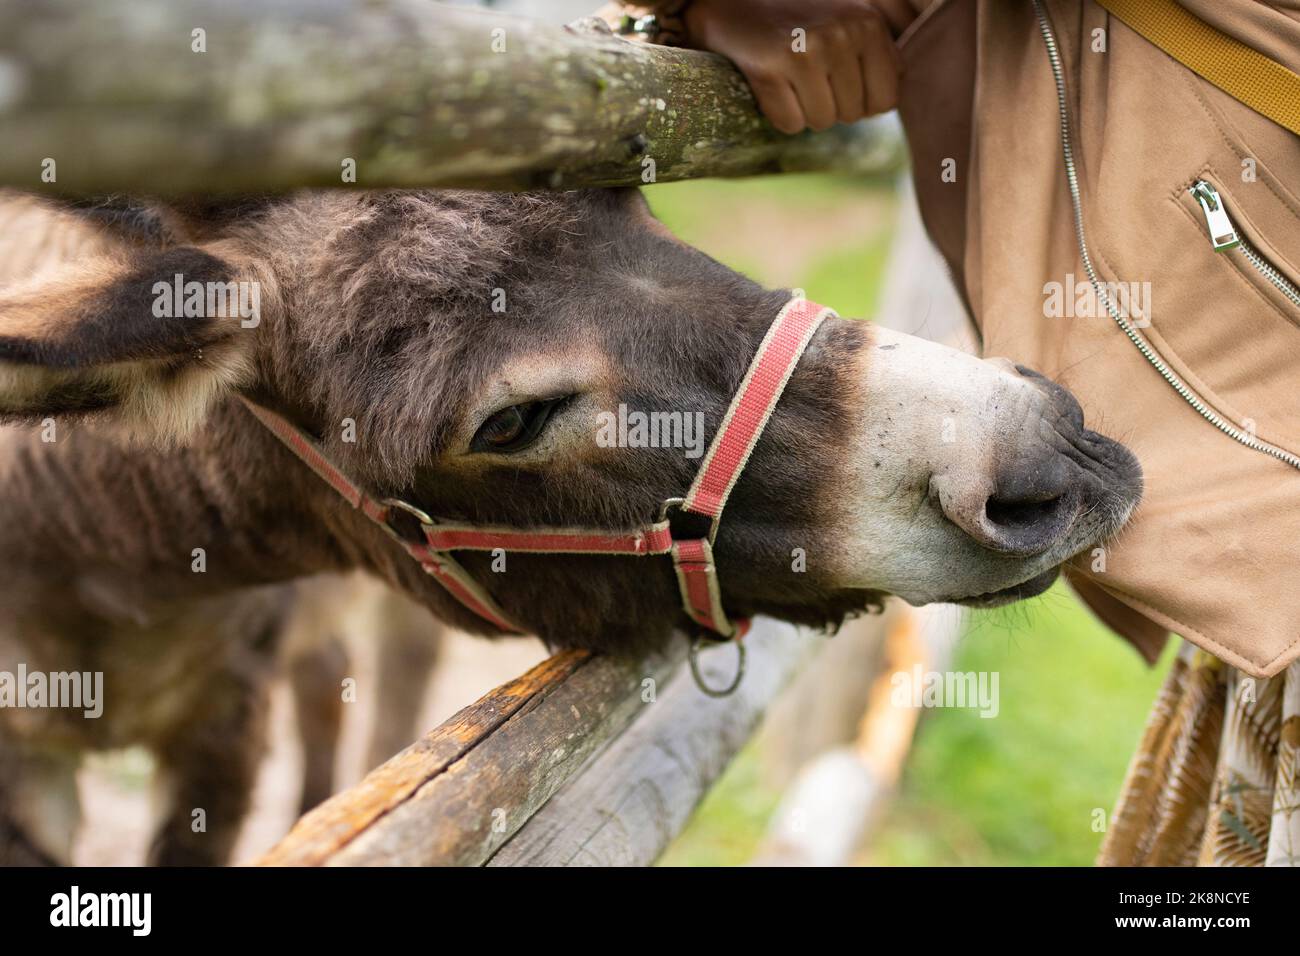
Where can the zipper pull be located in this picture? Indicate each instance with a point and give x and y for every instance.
(1222, 233)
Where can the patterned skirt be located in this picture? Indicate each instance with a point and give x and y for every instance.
(1215, 780)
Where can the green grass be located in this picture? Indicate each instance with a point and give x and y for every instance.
(849, 279)
(1025, 787)
(1020, 788)
(687, 206)
(729, 823)
(843, 268)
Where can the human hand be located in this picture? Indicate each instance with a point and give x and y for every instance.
(842, 67)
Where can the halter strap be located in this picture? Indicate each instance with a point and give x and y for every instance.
(750, 410)
(697, 576)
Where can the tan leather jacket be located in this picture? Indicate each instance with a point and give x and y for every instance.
(1213, 551)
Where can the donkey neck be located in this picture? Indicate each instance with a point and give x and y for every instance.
(132, 525)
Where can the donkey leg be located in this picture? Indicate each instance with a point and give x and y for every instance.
(407, 645)
(39, 806)
(316, 675)
(212, 762)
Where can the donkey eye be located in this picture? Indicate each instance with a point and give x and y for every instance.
(516, 427)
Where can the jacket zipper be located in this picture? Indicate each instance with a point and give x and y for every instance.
(1224, 236)
(1144, 347)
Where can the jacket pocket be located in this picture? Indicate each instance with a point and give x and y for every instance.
(1227, 316)
(1230, 235)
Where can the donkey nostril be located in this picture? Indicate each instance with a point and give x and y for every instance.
(1020, 515)
(1019, 521)
(1025, 524)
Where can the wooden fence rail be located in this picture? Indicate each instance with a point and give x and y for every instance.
(472, 791)
(210, 96)
(622, 750)
(637, 795)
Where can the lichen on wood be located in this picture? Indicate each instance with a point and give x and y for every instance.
(415, 94)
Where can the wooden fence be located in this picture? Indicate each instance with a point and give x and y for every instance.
(184, 96)
(583, 760)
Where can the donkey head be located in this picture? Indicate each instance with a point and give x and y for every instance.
(562, 360)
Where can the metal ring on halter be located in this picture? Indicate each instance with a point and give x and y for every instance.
(693, 657)
(408, 508)
(679, 504)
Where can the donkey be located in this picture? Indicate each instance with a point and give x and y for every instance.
(336, 624)
(455, 350)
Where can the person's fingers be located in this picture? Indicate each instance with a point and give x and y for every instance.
(848, 82)
(880, 64)
(813, 87)
(881, 84)
(777, 100)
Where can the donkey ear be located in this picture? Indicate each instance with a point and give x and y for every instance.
(157, 337)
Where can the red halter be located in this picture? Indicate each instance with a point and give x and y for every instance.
(697, 577)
